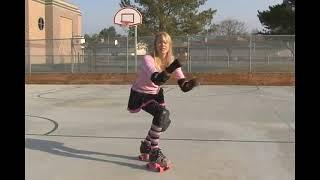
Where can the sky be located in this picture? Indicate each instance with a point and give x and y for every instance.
(98, 14)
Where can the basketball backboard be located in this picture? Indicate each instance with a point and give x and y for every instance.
(128, 16)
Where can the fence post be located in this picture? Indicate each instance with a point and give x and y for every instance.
(89, 56)
(30, 66)
(135, 46)
(108, 56)
(188, 57)
(127, 52)
(250, 58)
(72, 58)
(78, 62)
(207, 54)
(228, 62)
(294, 51)
(95, 59)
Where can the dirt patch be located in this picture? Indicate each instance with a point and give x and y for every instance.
(275, 79)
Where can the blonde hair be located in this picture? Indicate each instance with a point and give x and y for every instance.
(160, 63)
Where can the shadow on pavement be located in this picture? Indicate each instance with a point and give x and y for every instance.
(58, 148)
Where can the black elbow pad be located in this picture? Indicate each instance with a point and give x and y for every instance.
(159, 78)
(173, 66)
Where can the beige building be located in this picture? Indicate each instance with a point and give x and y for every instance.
(51, 31)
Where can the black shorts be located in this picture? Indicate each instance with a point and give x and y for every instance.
(138, 100)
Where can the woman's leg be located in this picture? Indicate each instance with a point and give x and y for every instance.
(160, 123)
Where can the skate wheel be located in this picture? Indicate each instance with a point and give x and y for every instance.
(160, 169)
(149, 166)
(157, 167)
(169, 166)
(153, 166)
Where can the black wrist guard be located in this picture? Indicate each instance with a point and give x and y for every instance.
(186, 86)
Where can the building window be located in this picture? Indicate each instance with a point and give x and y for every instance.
(40, 23)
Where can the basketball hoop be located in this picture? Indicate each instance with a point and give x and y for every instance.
(127, 17)
(125, 25)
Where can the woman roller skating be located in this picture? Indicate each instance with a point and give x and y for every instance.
(146, 94)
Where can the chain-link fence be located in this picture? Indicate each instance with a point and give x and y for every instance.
(252, 53)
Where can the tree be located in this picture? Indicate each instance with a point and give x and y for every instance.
(125, 3)
(91, 40)
(103, 35)
(279, 19)
(229, 30)
(290, 3)
(106, 33)
(230, 27)
(177, 17)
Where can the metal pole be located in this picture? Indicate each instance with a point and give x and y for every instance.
(190, 65)
(78, 62)
(250, 53)
(207, 55)
(294, 51)
(254, 45)
(72, 63)
(72, 55)
(28, 56)
(108, 56)
(135, 45)
(188, 50)
(30, 70)
(127, 51)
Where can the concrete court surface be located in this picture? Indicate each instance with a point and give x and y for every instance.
(84, 132)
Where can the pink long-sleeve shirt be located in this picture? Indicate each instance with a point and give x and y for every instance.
(143, 82)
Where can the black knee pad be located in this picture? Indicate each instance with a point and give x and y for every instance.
(162, 119)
